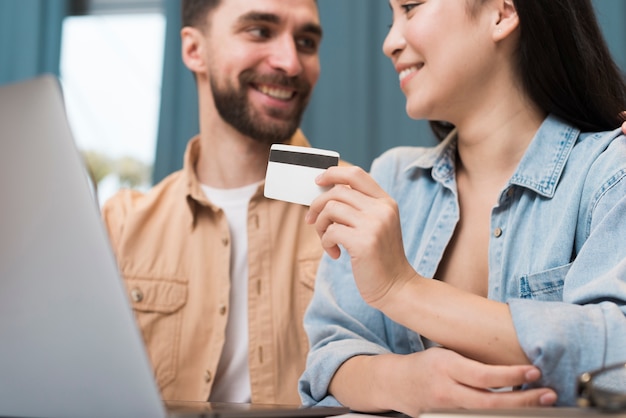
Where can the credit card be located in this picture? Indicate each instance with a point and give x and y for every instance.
(291, 172)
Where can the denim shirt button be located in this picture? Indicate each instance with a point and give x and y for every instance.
(497, 232)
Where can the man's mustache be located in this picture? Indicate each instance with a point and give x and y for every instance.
(296, 83)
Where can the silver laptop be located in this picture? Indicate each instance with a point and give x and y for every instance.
(69, 344)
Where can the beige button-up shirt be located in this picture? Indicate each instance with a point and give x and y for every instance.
(173, 249)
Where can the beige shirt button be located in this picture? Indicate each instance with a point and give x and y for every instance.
(136, 295)
(207, 376)
(497, 232)
(222, 309)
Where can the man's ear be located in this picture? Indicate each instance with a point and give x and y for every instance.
(507, 20)
(192, 49)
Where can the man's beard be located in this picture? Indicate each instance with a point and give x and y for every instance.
(233, 106)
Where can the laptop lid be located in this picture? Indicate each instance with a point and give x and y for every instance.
(69, 345)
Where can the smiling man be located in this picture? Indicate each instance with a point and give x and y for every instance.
(219, 276)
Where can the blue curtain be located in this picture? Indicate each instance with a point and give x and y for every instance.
(30, 38)
(178, 120)
(612, 17)
(357, 107)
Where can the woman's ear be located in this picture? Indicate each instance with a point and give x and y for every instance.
(192, 45)
(507, 20)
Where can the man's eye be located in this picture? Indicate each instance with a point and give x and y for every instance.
(260, 32)
(308, 44)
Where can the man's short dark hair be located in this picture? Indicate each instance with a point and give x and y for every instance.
(194, 12)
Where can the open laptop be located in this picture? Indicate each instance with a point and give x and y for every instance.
(69, 344)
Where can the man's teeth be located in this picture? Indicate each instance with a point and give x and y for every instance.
(276, 93)
(406, 72)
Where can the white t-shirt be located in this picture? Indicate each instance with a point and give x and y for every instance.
(232, 380)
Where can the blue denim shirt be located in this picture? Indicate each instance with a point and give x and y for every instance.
(558, 257)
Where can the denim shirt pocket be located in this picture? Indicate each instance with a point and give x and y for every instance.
(157, 305)
(544, 286)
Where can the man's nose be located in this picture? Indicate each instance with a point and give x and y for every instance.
(285, 57)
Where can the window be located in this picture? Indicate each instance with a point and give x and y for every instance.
(111, 67)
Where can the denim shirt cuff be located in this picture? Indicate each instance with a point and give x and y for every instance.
(324, 362)
(550, 334)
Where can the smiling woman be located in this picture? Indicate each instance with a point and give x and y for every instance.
(495, 259)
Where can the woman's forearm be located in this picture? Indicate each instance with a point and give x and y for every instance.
(474, 326)
(361, 383)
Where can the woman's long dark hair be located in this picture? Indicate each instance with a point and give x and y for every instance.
(565, 65)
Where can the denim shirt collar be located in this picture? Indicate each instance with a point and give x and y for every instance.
(539, 170)
(441, 159)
